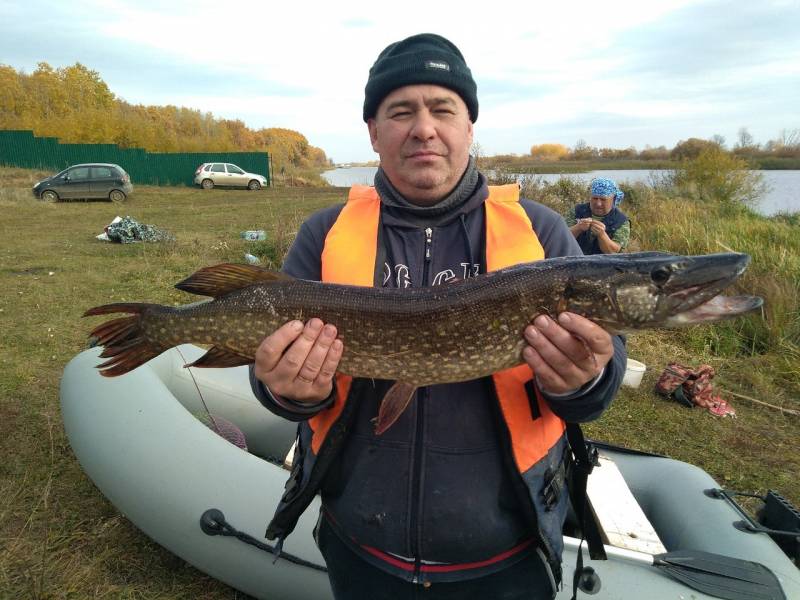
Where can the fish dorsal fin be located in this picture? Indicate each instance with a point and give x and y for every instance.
(225, 278)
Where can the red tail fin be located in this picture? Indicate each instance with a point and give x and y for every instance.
(123, 340)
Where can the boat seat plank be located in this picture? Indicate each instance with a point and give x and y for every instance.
(623, 523)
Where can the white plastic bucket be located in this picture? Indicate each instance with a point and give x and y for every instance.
(634, 371)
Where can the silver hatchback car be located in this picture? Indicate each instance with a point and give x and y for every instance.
(209, 175)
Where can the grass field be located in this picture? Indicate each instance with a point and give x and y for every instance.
(62, 539)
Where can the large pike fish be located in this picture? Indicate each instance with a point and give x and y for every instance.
(423, 336)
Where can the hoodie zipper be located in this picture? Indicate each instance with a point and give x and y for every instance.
(428, 245)
(422, 395)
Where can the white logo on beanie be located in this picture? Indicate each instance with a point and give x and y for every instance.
(437, 64)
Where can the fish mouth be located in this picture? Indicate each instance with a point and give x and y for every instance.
(719, 307)
(695, 295)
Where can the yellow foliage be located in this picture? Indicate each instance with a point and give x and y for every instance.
(549, 151)
(75, 105)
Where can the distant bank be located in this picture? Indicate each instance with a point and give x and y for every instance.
(783, 194)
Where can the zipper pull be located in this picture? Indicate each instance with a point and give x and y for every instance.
(428, 242)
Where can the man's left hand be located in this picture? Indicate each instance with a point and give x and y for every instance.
(598, 227)
(567, 353)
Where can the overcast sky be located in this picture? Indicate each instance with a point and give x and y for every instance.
(615, 73)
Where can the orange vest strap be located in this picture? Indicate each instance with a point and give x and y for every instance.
(348, 257)
(322, 422)
(530, 438)
(351, 246)
(510, 240)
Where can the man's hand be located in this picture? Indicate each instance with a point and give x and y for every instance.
(584, 224)
(299, 361)
(598, 227)
(566, 354)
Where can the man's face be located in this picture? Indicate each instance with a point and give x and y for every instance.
(423, 135)
(601, 205)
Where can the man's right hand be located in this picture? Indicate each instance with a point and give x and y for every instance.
(299, 361)
(580, 226)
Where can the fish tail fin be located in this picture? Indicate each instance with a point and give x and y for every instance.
(123, 340)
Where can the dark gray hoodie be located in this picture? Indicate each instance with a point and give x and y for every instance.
(436, 487)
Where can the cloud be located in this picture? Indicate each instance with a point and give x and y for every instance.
(616, 73)
(712, 38)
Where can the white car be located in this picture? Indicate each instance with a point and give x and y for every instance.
(209, 175)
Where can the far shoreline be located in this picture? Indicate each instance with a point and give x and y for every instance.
(525, 165)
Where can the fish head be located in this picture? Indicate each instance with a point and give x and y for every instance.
(654, 289)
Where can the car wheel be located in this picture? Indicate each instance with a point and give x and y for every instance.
(253, 185)
(117, 196)
(49, 196)
(207, 184)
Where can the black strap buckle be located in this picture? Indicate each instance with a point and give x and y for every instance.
(553, 484)
(585, 463)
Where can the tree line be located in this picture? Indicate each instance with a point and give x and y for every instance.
(75, 105)
(785, 146)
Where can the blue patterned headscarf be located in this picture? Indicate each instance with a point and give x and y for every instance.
(602, 186)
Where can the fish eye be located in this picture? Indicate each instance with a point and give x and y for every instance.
(661, 275)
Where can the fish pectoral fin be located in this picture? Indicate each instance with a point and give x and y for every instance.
(220, 358)
(225, 278)
(394, 404)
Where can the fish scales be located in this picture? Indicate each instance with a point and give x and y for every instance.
(427, 335)
(422, 336)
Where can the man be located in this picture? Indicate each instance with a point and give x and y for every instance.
(463, 497)
(599, 225)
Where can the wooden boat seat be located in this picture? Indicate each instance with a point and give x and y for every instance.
(623, 523)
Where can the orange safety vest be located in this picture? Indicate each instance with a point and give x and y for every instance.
(349, 256)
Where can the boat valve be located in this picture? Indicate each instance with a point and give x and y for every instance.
(212, 522)
(589, 581)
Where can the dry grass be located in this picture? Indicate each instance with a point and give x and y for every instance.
(60, 538)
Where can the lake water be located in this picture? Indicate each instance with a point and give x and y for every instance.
(783, 194)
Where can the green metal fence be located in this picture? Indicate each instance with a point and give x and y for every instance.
(23, 149)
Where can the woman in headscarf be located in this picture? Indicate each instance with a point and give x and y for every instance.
(599, 226)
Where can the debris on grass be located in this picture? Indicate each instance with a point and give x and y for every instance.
(128, 230)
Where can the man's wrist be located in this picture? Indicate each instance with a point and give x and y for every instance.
(577, 392)
(297, 407)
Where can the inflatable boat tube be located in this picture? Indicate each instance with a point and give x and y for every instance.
(139, 438)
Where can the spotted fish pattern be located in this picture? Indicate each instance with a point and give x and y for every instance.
(423, 336)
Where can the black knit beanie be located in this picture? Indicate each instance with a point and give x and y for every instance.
(422, 58)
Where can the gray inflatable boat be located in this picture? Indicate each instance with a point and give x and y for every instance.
(142, 440)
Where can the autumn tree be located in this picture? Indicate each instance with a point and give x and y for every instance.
(583, 151)
(12, 99)
(74, 104)
(691, 148)
(715, 175)
(549, 151)
(658, 153)
(718, 139)
(745, 144)
(786, 145)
